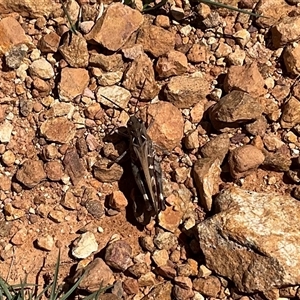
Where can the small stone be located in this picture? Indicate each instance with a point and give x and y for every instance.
(156, 40)
(72, 83)
(204, 271)
(174, 63)
(291, 113)
(104, 173)
(131, 286)
(160, 257)
(118, 201)
(45, 242)
(291, 56)
(11, 34)
(118, 255)
(115, 93)
(108, 63)
(97, 274)
(210, 286)
(12, 213)
(69, 200)
(148, 279)
(162, 21)
(74, 50)
(59, 129)
(95, 208)
(19, 237)
(57, 216)
(54, 170)
(49, 42)
(85, 245)
(244, 160)
(8, 158)
(41, 68)
(242, 37)
(165, 240)
(191, 140)
(31, 173)
(186, 91)
(15, 56)
(206, 173)
(129, 20)
(5, 131)
(198, 53)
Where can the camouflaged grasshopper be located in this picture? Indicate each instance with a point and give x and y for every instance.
(146, 169)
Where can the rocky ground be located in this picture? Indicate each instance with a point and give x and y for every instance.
(219, 93)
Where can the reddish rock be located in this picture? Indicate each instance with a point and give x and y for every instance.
(128, 21)
(54, 170)
(31, 173)
(49, 42)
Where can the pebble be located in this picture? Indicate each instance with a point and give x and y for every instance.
(85, 245)
(41, 68)
(45, 242)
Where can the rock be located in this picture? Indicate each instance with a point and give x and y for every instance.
(60, 109)
(131, 286)
(19, 237)
(84, 246)
(166, 271)
(118, 255)
(31, 173)
(11, 34)
(156, 40)
(115, 93)
(74, 166)
(186, 91)
(45, 242)
(58, 129)
(162, 21)
(140, 78)
(166, 128)
(147, 243)
(160, 257)
(242, 37)
(252, 228)
(69, 200)
(72, 83)
(170, 219)
(29, 7)
(279, 161)
(95, 208)
(291, 113)
(109, 78)
(209, 286)
(245, 78)
(258, 127)
(15, 56)
(97, 274)
(173, 63)
(183, 288)
(217, 147)
(5, 183)
(270, 15)
(161, 291)
(8, 158)
(118, 201)
(41, 68)
(129, 20)
(272, 142)
(108, 63)
(12, 213)
(191, 140)
(165, 240)
(49, 42)
(54, 170)
(234, 109)
(139, 269)
(5, 131)
(198, 53)
(105, 173)
(286, 31)
(237, 57)
(74, 50)
(244, 160)
(206, 173)
(291, 56)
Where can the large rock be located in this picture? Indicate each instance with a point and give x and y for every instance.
(254, 240)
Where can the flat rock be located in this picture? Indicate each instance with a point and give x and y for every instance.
(156, 40)
(30, 8)
(140, 78)
(234, 109)
(11, 34)
(74, 50)
(185, 91)
(291, 57)
(258, 229)
(49, 42)
(59, 129)
(106, 173)
(31, 173)
(245, 78)
(166, 128)
(72, 83)
(129, 20)
(5, 131)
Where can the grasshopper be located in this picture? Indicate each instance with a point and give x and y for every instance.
(146, 169)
